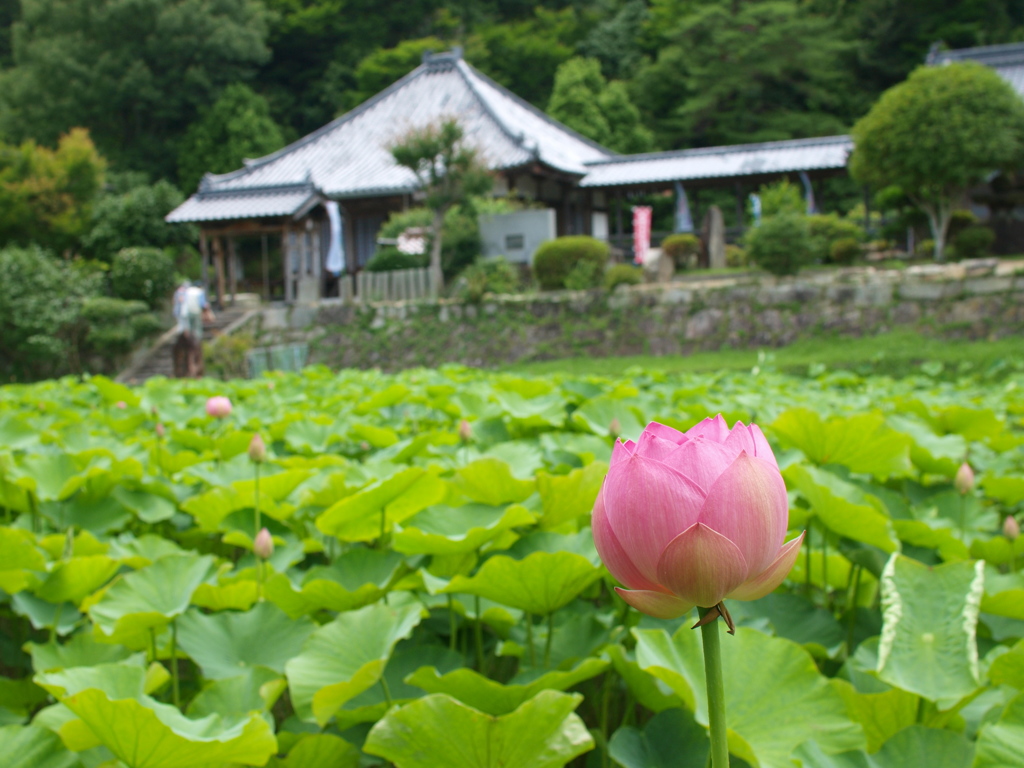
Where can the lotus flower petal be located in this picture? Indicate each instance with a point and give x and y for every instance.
(649, 504)
(612, 553)
(701, 460)
(716, 429)
(701, 566)
(761, 448)
(622, 450)
(740, 440)
(657, 604)
(653, 447)
(770, 578)
(748, 505)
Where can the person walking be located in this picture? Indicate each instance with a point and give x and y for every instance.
(191, 310)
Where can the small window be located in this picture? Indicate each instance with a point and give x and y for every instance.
(513, 242)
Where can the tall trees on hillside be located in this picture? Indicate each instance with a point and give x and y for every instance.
(135, 72)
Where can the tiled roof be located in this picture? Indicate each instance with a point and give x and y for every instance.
(830, 152)
(284, 200)
(351, 157)
(1007, 60)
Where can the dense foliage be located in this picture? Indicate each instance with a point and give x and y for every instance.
(781, 244)
(555, 260)
(435, 585)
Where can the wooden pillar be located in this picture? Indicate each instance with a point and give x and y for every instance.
(285, 266)
(618, 218)
(266, 268)
(218, 260)
(739, 207)
(204, 255)
(232, 269)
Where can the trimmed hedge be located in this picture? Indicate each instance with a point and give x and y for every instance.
(555, 259)
(622, 274)
(780, 244)
(974, 242)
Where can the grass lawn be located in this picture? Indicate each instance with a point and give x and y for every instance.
(899, 353)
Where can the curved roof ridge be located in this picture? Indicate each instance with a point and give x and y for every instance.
(723, 149)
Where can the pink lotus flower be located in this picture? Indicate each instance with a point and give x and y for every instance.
(218, 407)
(257, 449)
(465, 431)
(121, 404)
(964, 480)
(1011, 528)
(160, 430)
(263, 546)
(691, 519)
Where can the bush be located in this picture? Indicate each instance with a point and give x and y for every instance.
(622, 274)
(826, 229)
(226, 356)
(974, 242)
(488, 276)
(735, 256)
(390, 258)
(781, 244)
(460, 236)
(846, 250)
(115, 325)
(681, 249)
(555, 259)
(135, 218)
(780, 198)
(584, 276)
(959, 220)
(925, 249)
(142, 274)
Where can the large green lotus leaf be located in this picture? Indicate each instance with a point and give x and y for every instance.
(912, 746)
(648, 690)
(1009, 490)
(148, 507)
(359, 517)
(226, 644)
(143, 551)
(597, 415)
(313, 435)
(318, 750)
(763, 677)
(479, 692)
(928, 643)
(544, 732)
(71, 581)
(1008, 669)
(881, 715)
(342, 659)
(444, 530)
(378, 437)
(941, 455)
(212, 508)
(65, 617)
(565, 498)
(148, 598)
(275, 487)
(19, 557)
(863, 443)
(101, 515)
(1004, 594)
(19, 697)
(523, 458)
(843, 507)
(490, 481)
(1001, 744)
(16, 433)
(33, 747)
(50, 476)
(918, 533)
(143, 733)
(540, 583)
(255, 690)
(533, 412)
(796, 618)
(80, 650)
(238, 595)
(359, 577)
(671, 739)
(396, 393)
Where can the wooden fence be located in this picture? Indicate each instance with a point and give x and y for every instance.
(396, 285)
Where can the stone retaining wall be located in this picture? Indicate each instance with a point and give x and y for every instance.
(969, 300)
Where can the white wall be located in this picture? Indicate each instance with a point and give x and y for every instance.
(516, 236)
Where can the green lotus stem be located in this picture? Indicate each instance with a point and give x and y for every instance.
(824, 567)
(529, 640)
(851, 607)
(451, 625)
(176, 693)
(56, 622)
(33, 510)
(807, 560)
(716, 691)
(387, 691)
(152, 644)
(547, 642)
(256, 499)
(606, 697)
(478, 631)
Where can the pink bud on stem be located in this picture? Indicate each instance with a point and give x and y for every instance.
(257, 449)
(263, 547)
(1011, 528)
(964, 480)
(465, 431)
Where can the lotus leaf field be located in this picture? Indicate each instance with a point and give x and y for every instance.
(434, 598)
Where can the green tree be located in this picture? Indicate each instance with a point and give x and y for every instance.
(617, 42)
(236, 127)
(936, 135)
(386, 65)
(737, 71)
(136, 218)
(46, 196)
(448, 172)
(135, 72)
(599, 110)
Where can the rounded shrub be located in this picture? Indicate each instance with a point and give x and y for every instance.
(828, 228)
(622, 274)
(845, 250)
(390, 258)
(974, 242)
(485, 276)
(142, 274)
(682, 249)
(925, 249)
(584, 276)
(780, 244)
(555, 259)
(735, 256)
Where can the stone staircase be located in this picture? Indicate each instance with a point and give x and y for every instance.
(158, 360)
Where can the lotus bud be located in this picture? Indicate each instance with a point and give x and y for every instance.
(364, 446)
(160, 430)
(687, 519)
(257, 449)
(264, 544)
(964, 480)
(121, 404)
(465, 431)
(1011, 528)
(218, 407)
(615, 428)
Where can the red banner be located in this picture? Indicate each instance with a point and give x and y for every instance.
(641, 232)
